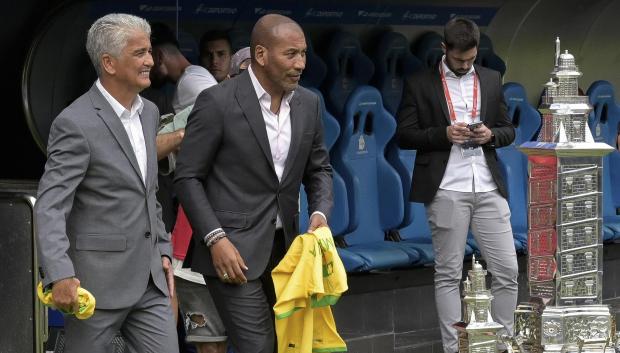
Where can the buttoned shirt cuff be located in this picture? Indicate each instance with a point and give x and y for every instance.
(319, 213)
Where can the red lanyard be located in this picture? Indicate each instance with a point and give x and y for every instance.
(474, 108)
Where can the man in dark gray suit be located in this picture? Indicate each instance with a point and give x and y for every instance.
(249, 143)
(98, 222)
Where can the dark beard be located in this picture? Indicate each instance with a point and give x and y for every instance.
(460, 73)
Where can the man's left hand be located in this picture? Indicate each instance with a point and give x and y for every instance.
(316, 221)
(169, 272)
(482, 135)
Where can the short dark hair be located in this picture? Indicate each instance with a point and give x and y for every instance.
(213, 35)
(461, 34)
(162, 34)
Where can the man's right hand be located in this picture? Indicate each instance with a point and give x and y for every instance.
(64, 294)
(228, 262)
(458, 133)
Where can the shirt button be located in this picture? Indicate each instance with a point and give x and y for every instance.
(147, 235)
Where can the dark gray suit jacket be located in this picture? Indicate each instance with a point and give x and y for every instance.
(225, 175)
(422, 121)
(95, 218)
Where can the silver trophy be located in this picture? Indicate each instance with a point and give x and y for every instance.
(477, 332)
(565, 261)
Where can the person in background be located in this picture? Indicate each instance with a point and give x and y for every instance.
(215, 53)
(455, 116)
(98, 222)
(203, 326)
(240, 61)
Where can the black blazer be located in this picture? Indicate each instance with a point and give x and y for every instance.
(422, 121)
(225, 175)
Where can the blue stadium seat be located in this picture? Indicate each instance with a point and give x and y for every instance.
(413, 230)
(513, 163)
(393, 63)
(339, 219)
(428, 49)
(315, 70)
(374, 189)
(487, 57)
(347, 68)
(351, 261)
(604, 120)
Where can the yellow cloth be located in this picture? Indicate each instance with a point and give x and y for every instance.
(85, 299)
(307, 281)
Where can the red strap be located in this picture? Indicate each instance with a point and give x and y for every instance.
(181, 235)
(446, 91)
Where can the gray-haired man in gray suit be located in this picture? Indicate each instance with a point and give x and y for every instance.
(98, 222)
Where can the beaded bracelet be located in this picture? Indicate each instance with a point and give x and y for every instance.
(215, 238)
(212, 234)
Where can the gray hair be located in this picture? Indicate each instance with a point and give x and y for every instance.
(109, 35)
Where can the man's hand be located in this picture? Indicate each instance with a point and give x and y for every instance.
(169, 272)
(228, 262)
(180, 134)
(64, 294)
(168, 143)
(481, 135)
(316, 221)
(458, 133)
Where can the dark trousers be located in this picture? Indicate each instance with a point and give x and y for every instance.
(247, 310)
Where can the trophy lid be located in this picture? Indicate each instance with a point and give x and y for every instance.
(566, 66)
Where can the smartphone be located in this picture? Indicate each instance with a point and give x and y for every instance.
(474, 126)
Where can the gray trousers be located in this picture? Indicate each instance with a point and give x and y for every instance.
(450, 215)
(146, 327)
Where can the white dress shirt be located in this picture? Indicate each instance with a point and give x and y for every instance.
(460, 170)
(132, 124)
(278, 124)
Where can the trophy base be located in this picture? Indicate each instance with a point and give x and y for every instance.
(581, 328)
(527, 326)
(477, 337)
(584, 349)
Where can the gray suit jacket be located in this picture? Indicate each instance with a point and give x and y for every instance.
(95, 218)
(225, 175)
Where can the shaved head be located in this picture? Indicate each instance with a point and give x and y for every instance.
(278, 51)
(269, 29)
